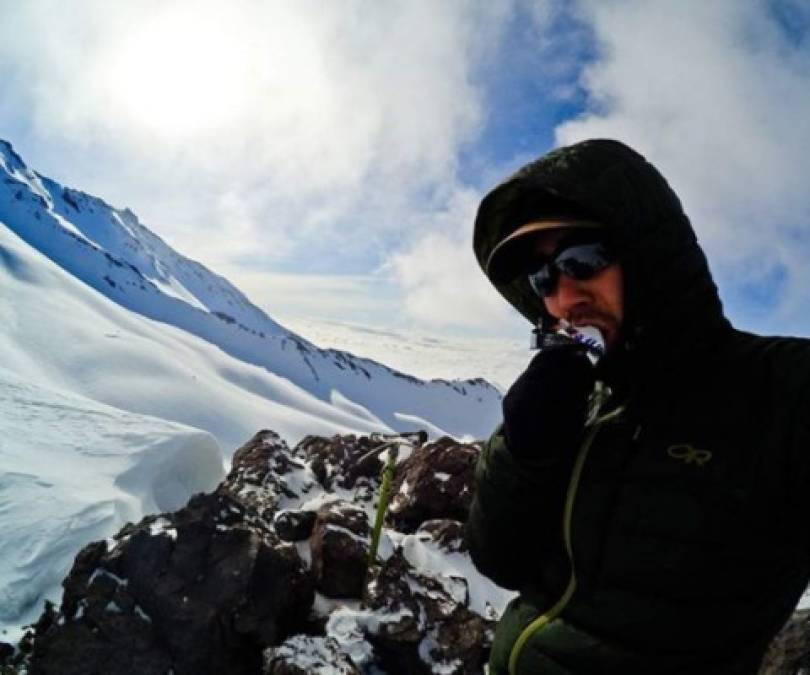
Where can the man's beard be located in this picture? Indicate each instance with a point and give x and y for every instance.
(591, 316)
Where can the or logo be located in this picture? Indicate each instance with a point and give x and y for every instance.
(688, 454)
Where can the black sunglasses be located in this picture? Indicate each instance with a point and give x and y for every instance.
(580, 261)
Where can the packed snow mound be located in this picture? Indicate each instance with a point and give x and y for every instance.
(179, 591)
(111, 252)
(73, 471)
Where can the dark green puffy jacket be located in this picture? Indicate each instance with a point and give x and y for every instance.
(673, 536)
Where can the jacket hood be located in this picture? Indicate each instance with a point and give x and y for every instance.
(671, 302)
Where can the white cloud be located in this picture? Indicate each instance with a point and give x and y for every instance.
(252, 128)
(363, 298)
(717, 96)
(441, 279)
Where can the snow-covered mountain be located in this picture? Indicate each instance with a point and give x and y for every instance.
(498, 360)
(281, 376)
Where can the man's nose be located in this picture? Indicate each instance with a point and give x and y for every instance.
(567, 293)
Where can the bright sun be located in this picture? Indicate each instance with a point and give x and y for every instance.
(181, 73)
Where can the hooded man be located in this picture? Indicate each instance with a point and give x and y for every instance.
(652, 510)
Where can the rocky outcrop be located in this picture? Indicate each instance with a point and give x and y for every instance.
(269, 573)
(203, 589)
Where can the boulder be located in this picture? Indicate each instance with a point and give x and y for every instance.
(435, 482)
(427, 627)
(447, 534)
(294, 524)
(265, 473)
(340, 544)
(348, 461)
(337, 460)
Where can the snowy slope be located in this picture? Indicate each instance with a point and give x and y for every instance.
(272, 371)
(73, 471)
(497, 360)
(56, 332)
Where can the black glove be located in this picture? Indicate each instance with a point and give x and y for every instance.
(544, 410)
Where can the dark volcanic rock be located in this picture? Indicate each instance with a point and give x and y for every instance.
(336, 460)
(349, 461)
(264, 471)
(448, 535)
(433, 631)
(294, 525)
(435, 482)
(203, 590)
(218, 587)
(308, 655)
(340, 544)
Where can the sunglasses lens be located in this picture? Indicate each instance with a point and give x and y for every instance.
(584, 261)
(580, 262)
(544, 280)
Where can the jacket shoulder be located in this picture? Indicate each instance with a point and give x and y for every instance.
(781, 361)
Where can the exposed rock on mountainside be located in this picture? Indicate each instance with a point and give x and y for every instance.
(268, 573)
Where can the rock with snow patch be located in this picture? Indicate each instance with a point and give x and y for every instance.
(264, 471)
(308, 655)
(433, 630)
(341, 460)
(294, 524)
(340, 544)
(446, 533)
(201, 590)
(435, 482)
(223, 587)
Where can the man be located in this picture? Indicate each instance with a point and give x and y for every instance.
(651, 510)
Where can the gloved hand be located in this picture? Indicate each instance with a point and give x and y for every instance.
(544, 410)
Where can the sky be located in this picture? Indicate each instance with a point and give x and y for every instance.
(328, 158)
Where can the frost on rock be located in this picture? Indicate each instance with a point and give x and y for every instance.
(269, 574)
(308, 655)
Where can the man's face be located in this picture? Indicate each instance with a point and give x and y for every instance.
(598, 301)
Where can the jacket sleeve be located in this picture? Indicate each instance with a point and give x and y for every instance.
(516, 514)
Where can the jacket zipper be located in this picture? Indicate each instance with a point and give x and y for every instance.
(593, 425)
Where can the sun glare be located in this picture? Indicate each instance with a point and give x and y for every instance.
(181, 73)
